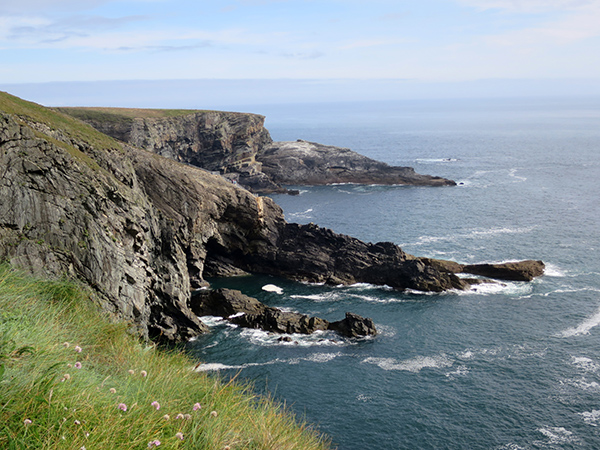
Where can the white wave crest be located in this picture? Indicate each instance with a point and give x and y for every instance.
(315, 357)
(591, 417)
(414, 365)
(316, 339)
(272, 288)
(583, 328)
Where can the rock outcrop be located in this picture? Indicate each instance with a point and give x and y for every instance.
(248, 312)
(510, 271)
(238, 146)
(143, 231)
(309, 163)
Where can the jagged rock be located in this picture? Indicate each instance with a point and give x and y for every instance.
(224, 303)
(354, 326)
(278, 321)
(309, 163)
(228, 303)
(239, 147)
(512, 271)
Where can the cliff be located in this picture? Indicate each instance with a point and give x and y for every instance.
(238, 146)
(143, 230)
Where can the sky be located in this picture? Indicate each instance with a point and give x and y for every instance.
(290, 50)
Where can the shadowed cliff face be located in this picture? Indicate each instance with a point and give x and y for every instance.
(143, 231)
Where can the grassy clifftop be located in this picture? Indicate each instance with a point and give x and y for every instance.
(70, 379)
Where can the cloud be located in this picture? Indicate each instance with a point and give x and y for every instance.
(315, 54)
(38, 30)
(530, 6)
(580, 24)
(41, 6)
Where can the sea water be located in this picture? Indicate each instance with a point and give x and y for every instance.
(509, 365)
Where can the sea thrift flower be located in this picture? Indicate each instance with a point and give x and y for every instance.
(131, 372)
(78, 365)
(196, 407)
(187, 417)
(214, 413)
(166, 417)
(66, 377)
(77, 422)
(154, 443)
(66, 344)
(122, 406)
(77, 349)
(112, 390)
(179, 435)
(156, 405)
(144, 373)
(179, 416)
(27, 422)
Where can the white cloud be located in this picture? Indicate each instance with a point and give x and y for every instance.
(530, 6)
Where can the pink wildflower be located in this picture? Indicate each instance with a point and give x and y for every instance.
(131, 372)
(179, 435)
(112, 390)
(214, 413)
(144, 373)
(27, 422)
(122, 406)
(78, 365)
(66, 344)
(154, 443)
(179, 416)
(187, 417)
(196, 407)
(77, 349)
(156, 405)
(166, 417)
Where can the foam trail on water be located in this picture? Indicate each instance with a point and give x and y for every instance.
(414, 365)
(584, 327)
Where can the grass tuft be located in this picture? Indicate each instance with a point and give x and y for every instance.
(72, 379)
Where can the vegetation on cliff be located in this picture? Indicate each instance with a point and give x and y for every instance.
(70, 378)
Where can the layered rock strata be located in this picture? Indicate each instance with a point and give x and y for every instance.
(238, 146)
(310, 163)
(143, 231)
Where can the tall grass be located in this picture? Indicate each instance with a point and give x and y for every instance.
(72, 379)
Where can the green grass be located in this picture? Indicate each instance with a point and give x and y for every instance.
(55, 120)
(107, 114)
(65, 369)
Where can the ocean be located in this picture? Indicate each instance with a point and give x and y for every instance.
(508, 365)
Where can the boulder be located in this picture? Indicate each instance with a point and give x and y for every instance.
(224, 303)
(511, 271)
(354, 326)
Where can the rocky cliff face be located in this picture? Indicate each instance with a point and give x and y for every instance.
(143, 230)
(238, 146)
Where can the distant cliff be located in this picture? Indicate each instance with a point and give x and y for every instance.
(238, 146)
(143, 230)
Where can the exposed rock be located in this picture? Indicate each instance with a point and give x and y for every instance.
(512, 271)
(224, 303)
(248, 312)
(309, 163)
(354, 326)
(238, 146)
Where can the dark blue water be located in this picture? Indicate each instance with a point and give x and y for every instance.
(504, 366)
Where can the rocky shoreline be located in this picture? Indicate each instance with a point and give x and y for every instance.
(240, 148)
(144, 231)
